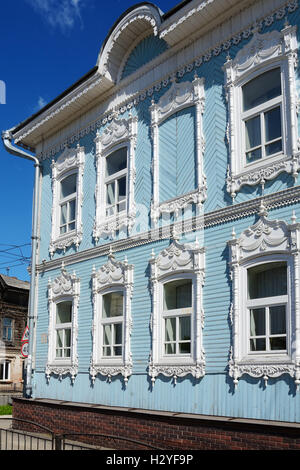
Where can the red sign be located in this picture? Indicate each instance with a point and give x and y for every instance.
(25, 336)
(24, 349)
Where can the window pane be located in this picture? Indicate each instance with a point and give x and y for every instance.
(59, 338)
(170, 348)
(67, 338)
(107, 335)
(278, 343)
(112, 305)
(64, 312)
(257, 322)
(184, 348)
(261, 89)
(122, 188)
(63, 214)
(273, 124)
(253, 155)
(275, 147)
(267, 280)
(110, 194)
(68, 185)
(72, 210)
(258, 344)
(277, 320)
(185, 328)
(252, 130)
(118, 333)
(178, 294)
(170, 329)
(117, 161)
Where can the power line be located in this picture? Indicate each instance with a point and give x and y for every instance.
(13, 256)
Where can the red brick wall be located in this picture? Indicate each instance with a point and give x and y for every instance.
(161, 430)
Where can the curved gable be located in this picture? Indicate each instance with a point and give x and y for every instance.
(146, 50)
(140, 20)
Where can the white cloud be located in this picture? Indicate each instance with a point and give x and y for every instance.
(41, 102)
(59, 13)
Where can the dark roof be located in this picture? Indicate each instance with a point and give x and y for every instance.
(14, 282)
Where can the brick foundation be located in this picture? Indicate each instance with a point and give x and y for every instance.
(165, 430)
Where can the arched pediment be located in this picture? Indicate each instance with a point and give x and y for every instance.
(132, 25)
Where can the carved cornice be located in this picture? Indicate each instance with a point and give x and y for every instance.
(180, 71)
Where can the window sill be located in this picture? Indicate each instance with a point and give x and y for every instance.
(261, 171)
(178, 367)
(62, 242)
(111, 369)
(262, 367)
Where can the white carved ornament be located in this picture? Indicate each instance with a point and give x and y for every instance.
(179, 96)
(65, 286)
(72, 159)
(272, 238)
(112, 274)
(175, 259)
(119, 132)
(263, 50)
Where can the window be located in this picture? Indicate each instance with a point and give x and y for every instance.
(4, 371)
(262, 116)
(264, 263)
(112, 322)
(177, 314)
(267, 307)
(7, 329)
(67, 184)
(178, 143)
(67, 202)
(116, 182)
(261, 92)
(115, 158)
(63, 300)
(63, 329)
(177, 276)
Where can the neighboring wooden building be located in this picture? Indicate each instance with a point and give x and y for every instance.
(168, 262)
(14, 295)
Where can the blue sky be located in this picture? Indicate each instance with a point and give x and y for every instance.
(46, 45)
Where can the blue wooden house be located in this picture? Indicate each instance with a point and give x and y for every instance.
(166, 255)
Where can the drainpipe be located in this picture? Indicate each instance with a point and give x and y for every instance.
(7, 138)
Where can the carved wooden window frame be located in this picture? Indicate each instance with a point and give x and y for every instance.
(264, 52)
(266, 241)
(112, 276)
(70, 161)
(119, 133)
(177, 262)
(179, 96)
(66, 287)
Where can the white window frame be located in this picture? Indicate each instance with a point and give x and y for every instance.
(113, 276)
(7, 368)
(113, 179)
(112, 322)
(267, 241)
(64, 288)
(70, 161)
(175, 313)
(179, 96)
(264, 52)
(119, 133)
(177, 262)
